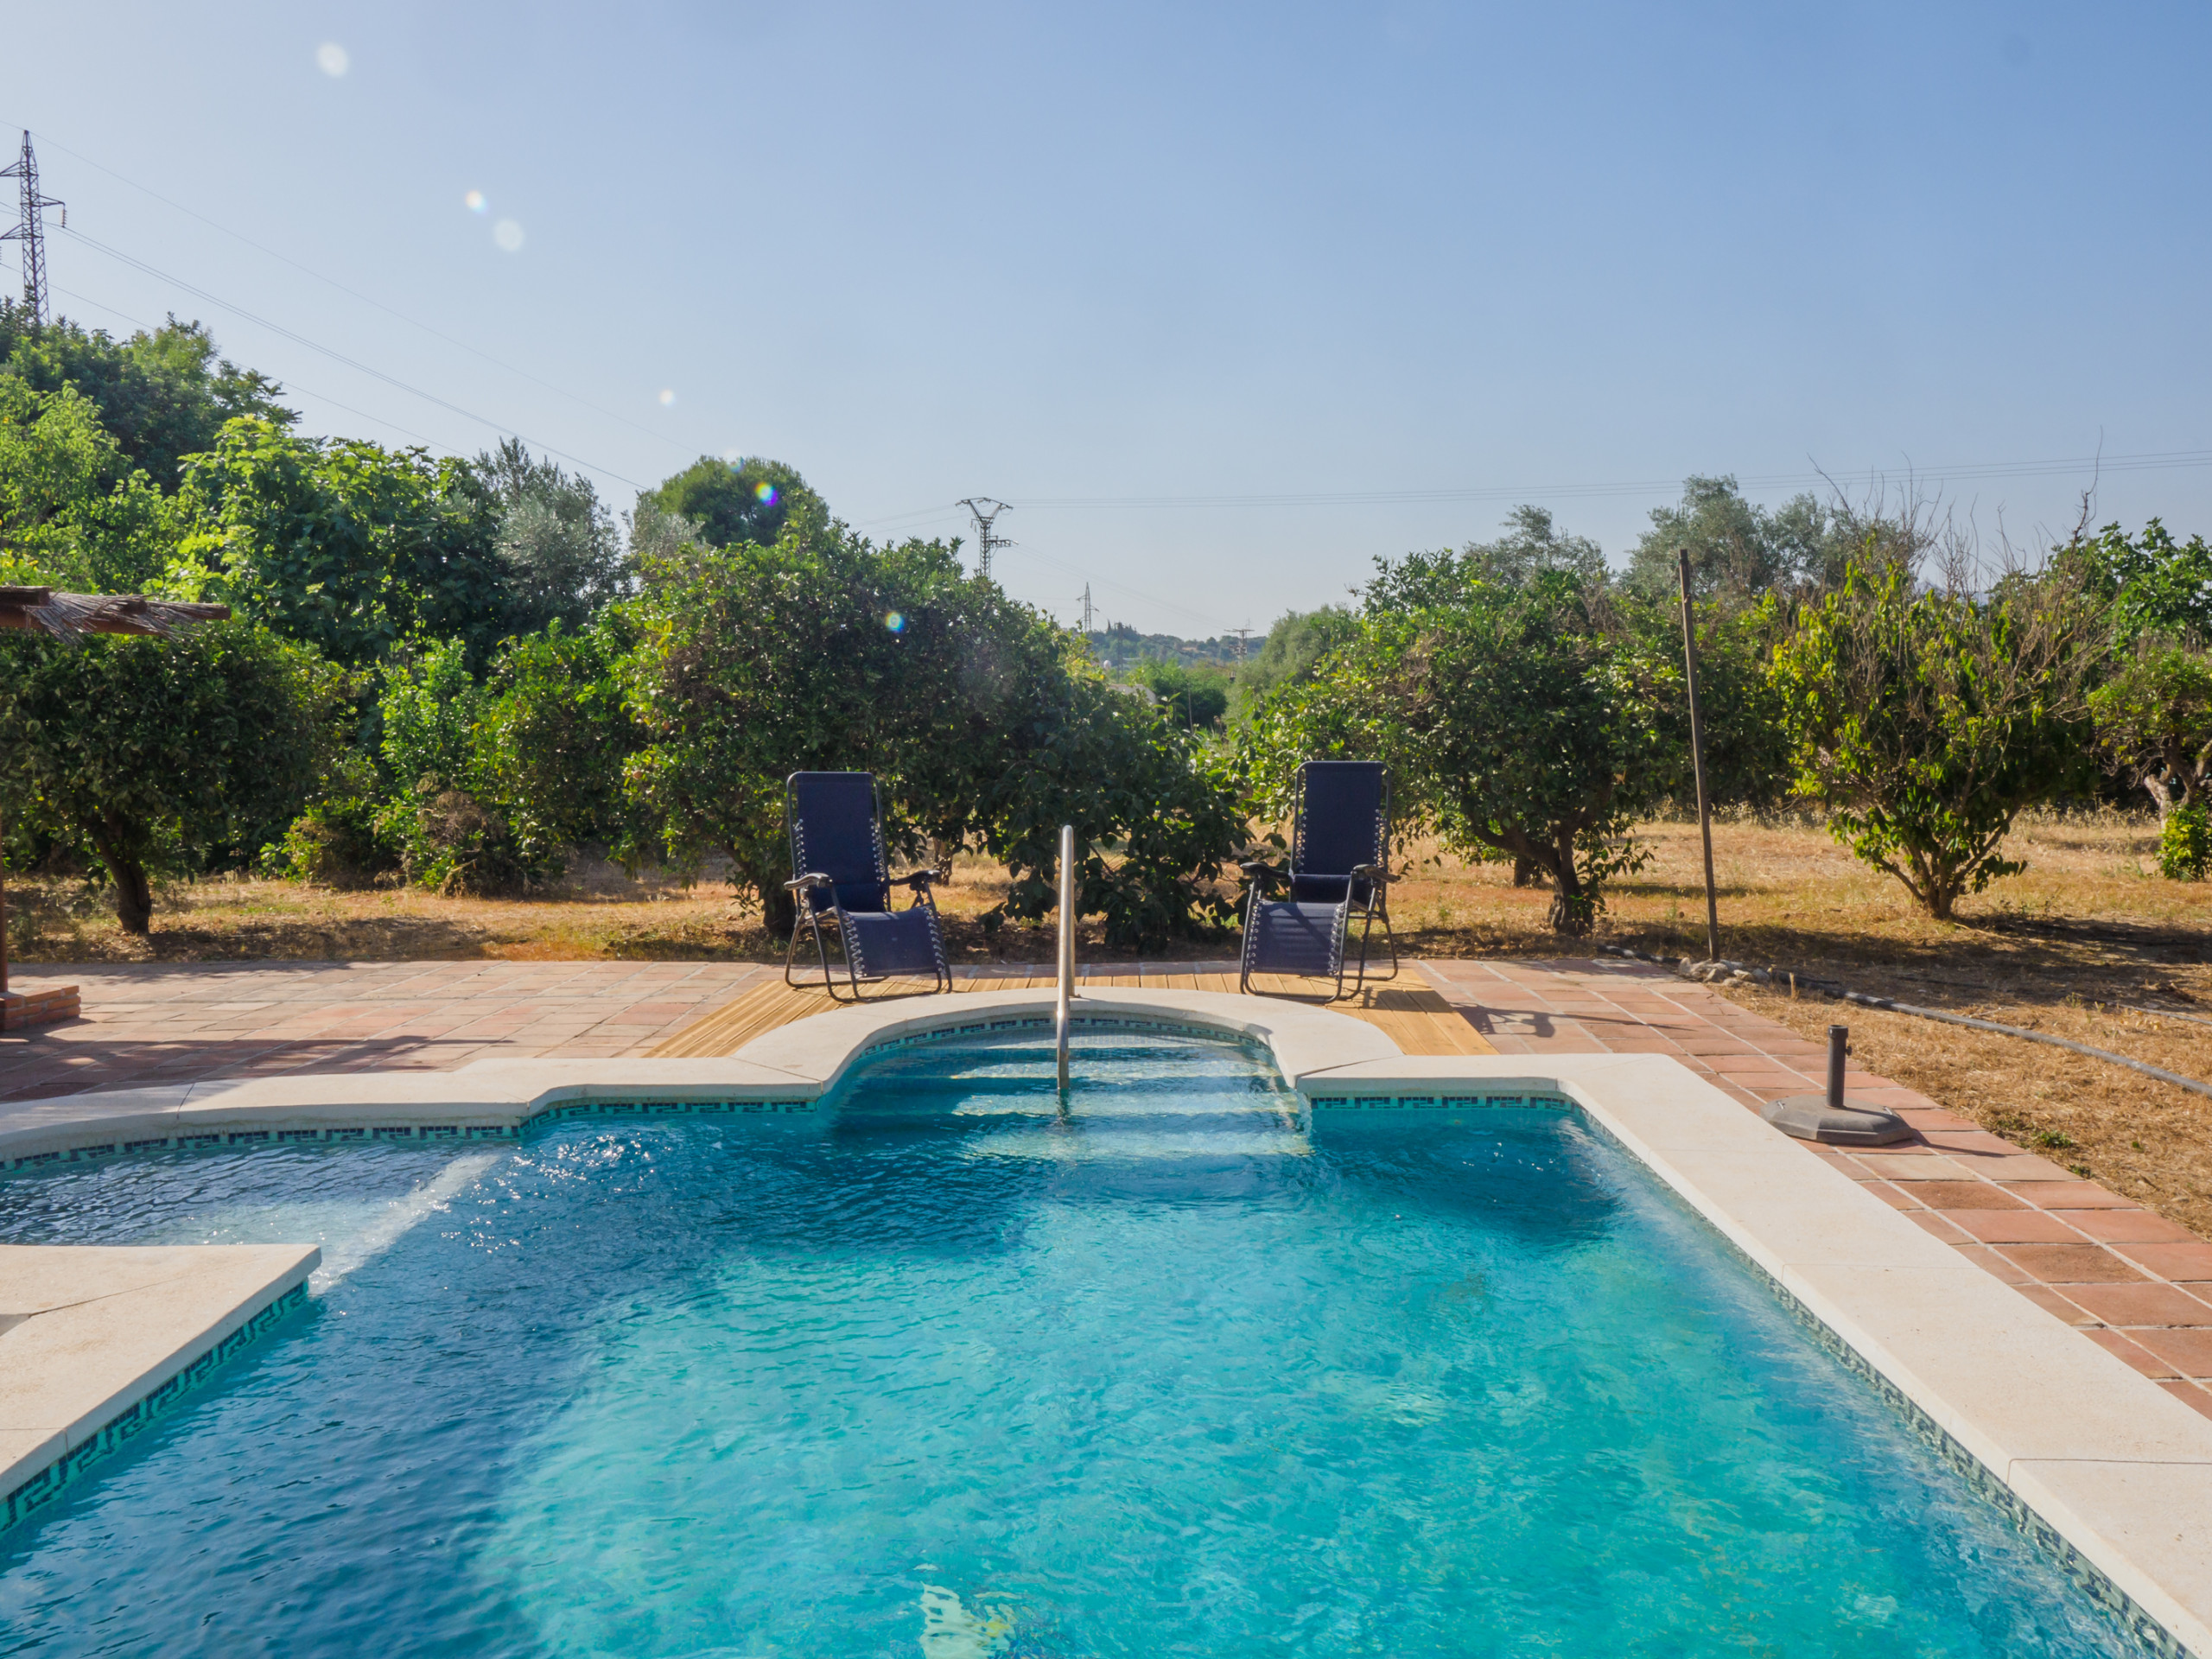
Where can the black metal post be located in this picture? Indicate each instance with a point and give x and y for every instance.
(1697, 761)
(1839, 1046)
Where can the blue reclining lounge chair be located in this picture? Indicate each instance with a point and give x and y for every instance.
(843, 886)
(1338, 873)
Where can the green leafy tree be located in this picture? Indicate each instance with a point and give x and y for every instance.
(563, 556)
(162, 756)
(554, 736)
(1157, 815)
(1514, 722)
(1740, 552)
(73, 511)
(2153, 718)
(456, 830)
(164, 395)
(1291, 654)
(345, 545)
(1927, 719)
(822, 652)
(2150, 583)
(1189, 696)
(1531, 546)
(738, 503)
(828, 652)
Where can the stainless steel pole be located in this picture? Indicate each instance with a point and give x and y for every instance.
(1067, 948)
(1697, 760)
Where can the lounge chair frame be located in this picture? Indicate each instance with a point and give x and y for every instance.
(1367, 909)
(822, 920)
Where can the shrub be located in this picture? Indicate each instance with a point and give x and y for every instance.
(2186, 844)
(346, 843)
(456, 843)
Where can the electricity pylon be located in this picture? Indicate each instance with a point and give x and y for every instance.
(985, 512)
(30, 230)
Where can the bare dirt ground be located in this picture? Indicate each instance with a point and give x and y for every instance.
(2089, 934)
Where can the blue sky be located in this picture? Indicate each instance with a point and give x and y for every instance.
(1226, 301)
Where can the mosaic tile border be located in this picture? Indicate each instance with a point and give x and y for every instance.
(2149, 1637)
(44, 1487)
(1437, 1102)
(210, 1140)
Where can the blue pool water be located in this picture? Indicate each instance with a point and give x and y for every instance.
(946, 1375)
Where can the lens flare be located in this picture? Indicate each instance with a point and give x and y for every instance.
(895, 622)
(732, 456)
(331, 58)
(667, 396)
(508, 235)
(764, 494)
(474, 201)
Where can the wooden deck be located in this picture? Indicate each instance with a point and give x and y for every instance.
(1416, 1018)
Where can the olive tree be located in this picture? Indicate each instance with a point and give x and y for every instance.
(1927, 718)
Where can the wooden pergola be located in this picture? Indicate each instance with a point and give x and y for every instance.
(69, 616)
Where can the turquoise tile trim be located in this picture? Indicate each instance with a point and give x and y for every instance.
(42, 1487)
(2145, 1632)
(1433, 1103)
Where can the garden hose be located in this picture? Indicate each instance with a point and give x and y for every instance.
(1727, 970)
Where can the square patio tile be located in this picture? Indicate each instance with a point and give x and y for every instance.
(2148, 1303)
(2070, 1264)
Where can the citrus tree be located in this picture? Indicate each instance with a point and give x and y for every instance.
(1926, 719)
(825, 652)
(162, 756)
(2154, 717)
(1516, 721)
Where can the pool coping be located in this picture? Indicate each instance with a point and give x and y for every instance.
(98, 1341)
(2106, 1469)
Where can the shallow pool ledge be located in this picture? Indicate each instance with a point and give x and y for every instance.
(98, 1342)
(1304, 1039)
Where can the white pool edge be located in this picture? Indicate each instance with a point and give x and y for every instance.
(2112, 1472)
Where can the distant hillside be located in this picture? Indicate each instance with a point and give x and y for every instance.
(1119, 645)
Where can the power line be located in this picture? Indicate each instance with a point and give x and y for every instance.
(355, 293)
(2152, 461)
(353, 363)
(291, 384)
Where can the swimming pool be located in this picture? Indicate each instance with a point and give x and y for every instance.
(946, 1372)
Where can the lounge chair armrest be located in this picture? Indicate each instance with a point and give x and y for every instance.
(1373, 873)
(1259, 870)
(811, 879)
(918, 878)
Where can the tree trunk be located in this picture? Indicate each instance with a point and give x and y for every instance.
(134, 894)
(778, 910)
(1571, 912)
(1526, 873)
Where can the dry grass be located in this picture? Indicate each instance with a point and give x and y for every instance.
(2090, 926)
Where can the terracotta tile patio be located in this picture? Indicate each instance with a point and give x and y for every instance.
(2132, 1281)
